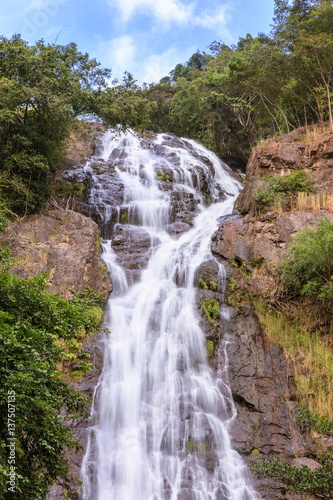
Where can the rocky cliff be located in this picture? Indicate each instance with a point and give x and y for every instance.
(261, 373)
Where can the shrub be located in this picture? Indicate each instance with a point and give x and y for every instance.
(318, 482)
(307, 268)
(274, 191)
(37, 330)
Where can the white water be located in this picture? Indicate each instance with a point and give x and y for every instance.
(160, 422)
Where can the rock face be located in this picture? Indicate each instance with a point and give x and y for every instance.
(133, 247)
(262, 240)
(308, 149)
(261, 374)
(63, 242)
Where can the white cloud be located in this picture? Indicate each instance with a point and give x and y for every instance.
(117, 54)
(164, 11)
(158, 65)
(215, 19)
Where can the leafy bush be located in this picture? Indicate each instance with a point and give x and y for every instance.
(318, 482)
(37, 329)
(314, 421)
(307, 268)
(273, 191)
(64, 189)
(209, 348)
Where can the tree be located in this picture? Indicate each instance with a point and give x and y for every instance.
(42, 88)
(37, 331)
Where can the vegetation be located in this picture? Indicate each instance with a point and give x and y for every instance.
(210, 348)
(234, 96)
(274, 192)
(312, 358)
(318, 483)
(208, 286)
(313, 421)
(211, 308)
(42, 89)
(307, 268)
(37, 330)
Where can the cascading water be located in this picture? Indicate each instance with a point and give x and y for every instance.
(160, 419)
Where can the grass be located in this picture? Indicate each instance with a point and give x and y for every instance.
(313, 132)
(313, 359)
(43, 254)
(310, 201)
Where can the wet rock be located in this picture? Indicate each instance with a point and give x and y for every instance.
(132, 245)
(186, 494)
(208, 272)
(177, 228)
(183, 207)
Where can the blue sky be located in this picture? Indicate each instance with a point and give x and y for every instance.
(145, 37)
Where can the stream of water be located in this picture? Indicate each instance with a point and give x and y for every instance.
(160, 416)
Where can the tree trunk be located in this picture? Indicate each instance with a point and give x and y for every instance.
(329, 107)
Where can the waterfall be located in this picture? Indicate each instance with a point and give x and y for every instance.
(160, 417)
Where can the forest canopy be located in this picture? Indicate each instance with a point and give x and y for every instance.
(227, 100)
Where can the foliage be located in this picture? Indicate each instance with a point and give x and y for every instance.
(314, 421)
(91, 302)
(232, 285)
(208, 286)
(209, 348)
(307, 268)
(37, 329)
(124, 105)
(313, 359)
(318, 482)
(262, 86)
(211, 308)
(65, 189)
(43, 88)
(274, 191)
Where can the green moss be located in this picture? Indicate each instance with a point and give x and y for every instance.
(256, 261)
(203, 284)
(211, 308)
(193, 446)
(209, 348)
(255, 452)
(124, 218)
(210, 286)
(213, 286)
(234, 299)
(160, 176)
(232, 285)
(76, 375)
